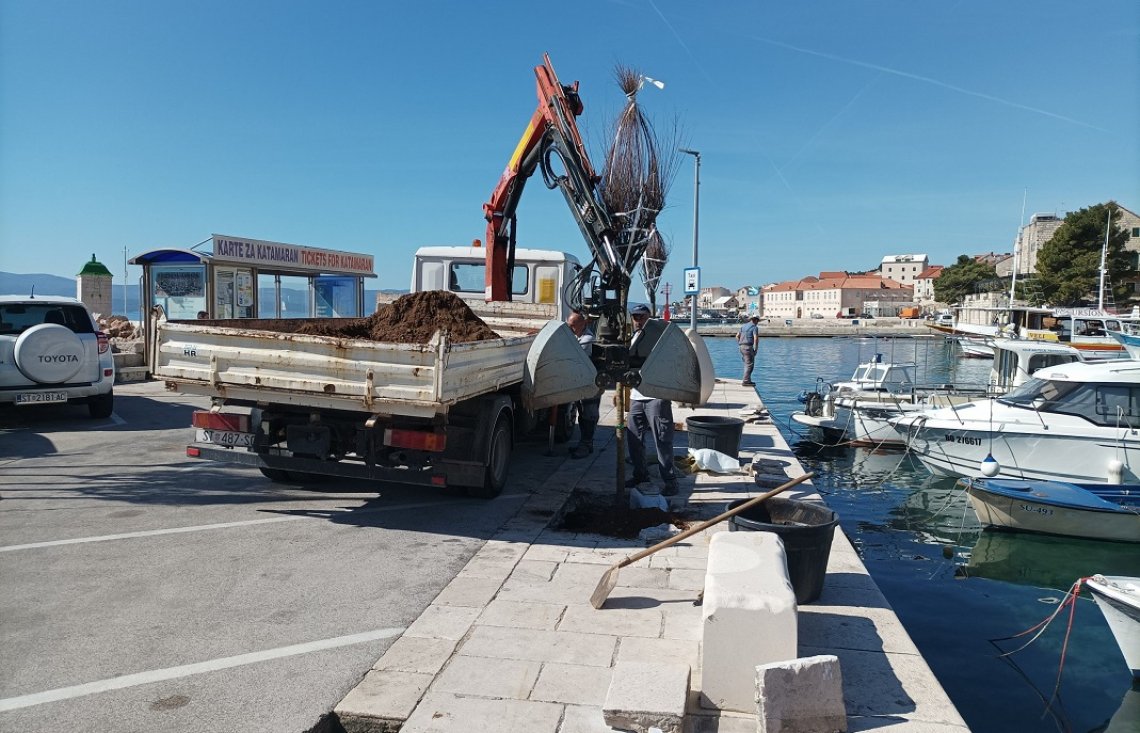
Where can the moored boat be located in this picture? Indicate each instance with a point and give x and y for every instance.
(1119, 599)
(1077, 422)
(1093, 511)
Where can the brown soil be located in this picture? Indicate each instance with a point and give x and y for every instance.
(410, 319)
(613, 523)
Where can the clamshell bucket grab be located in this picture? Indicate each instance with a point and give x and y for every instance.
(557, 369)
(672, 371)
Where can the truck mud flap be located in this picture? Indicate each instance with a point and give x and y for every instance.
(346, 469)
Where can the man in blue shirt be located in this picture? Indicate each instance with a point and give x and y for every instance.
(748, 340)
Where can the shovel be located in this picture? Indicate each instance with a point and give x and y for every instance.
(610, 577)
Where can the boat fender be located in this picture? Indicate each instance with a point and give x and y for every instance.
(1115, 471)
(989, 466)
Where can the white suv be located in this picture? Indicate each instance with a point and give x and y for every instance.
(52, 351)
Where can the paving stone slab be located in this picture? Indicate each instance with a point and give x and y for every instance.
(417, 654)
(382, 700)
(469, 591)
(443, 622)
(484, 677)
(442, 712)
(612, 621)
(584, 719)
(647, 695)
(522, 615)
(571, 683)
(640, 649)
(593, 650)
(846, 627)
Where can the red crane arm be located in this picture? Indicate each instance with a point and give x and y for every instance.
(552, 123)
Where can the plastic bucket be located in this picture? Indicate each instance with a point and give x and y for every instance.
(715, 431)
(806, 529)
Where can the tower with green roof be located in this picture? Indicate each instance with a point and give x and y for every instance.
(93, 287)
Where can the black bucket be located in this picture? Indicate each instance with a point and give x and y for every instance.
(806, 529)
(715, 431)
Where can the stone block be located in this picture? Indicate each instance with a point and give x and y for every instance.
(382, 701)
(749, 616)
(645, 695)
(801, 696)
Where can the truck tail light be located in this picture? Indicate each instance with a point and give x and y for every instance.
(426, 440)
(104, 342)
(228, 421)
(192, 452)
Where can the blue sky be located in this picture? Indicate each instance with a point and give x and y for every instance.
(831, 132)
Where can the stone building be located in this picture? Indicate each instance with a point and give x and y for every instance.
(831, 294)
(1030, 239)
(903, 269)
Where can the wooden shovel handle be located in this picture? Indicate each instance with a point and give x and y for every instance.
(719, 518)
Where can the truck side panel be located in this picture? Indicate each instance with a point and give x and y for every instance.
(324, 372)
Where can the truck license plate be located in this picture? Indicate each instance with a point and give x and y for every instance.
(225, 437)
(29, 398)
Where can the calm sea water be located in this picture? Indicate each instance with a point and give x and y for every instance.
(958, 590)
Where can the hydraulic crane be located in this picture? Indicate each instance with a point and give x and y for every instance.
(557, 369)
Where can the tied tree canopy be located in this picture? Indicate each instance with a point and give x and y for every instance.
(963, 277)
(1068, 265)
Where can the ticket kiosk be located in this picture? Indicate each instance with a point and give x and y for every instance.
(237, 277)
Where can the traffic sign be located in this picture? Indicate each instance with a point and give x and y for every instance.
(692, 280)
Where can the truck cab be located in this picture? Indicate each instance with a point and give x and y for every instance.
(539, 276)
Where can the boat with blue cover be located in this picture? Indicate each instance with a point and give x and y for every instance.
(1093, 511)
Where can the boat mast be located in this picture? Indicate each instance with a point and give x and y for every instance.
(1016, 242)
(1103, 262)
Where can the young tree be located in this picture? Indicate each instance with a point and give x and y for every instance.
(961, 278)
(1068, 265)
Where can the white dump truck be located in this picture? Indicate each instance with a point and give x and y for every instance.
(443, 413)
(438, 413)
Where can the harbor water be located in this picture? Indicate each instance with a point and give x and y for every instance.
(960, 592)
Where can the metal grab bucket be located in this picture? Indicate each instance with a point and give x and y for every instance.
(718, 432)
(806, 529)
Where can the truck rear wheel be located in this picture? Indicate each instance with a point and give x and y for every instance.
(278, 475)
(498, 461)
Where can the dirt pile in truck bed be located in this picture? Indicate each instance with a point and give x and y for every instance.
(410, 319)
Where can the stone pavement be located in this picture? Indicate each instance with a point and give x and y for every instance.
(512, 643)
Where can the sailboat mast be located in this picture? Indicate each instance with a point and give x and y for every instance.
(1103, 263)
(1016, 247)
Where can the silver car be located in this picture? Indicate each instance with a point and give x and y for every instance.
(52, 351)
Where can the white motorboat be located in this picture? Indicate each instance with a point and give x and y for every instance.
(975, 347)
(1119, 599)
(873, 382)
(866, 418)
(1077, 422)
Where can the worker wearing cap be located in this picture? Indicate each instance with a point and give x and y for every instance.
(649, 416)
(748, 339)
(589, 408)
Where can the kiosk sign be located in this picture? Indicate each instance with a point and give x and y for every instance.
(241, 251)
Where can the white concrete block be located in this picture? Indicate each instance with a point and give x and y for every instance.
(801, 696)
(643, 696)
(749, 616)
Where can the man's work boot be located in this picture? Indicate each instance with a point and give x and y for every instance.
(581, 450)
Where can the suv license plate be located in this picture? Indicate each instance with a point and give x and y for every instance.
(30, 398)
(225, 437)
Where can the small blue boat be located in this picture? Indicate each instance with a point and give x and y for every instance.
(1093, 511)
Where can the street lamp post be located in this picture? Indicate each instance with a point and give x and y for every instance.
(696, 224)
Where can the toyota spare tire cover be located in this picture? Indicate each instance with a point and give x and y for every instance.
(49, 353)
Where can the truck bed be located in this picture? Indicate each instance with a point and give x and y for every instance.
(250, 362)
